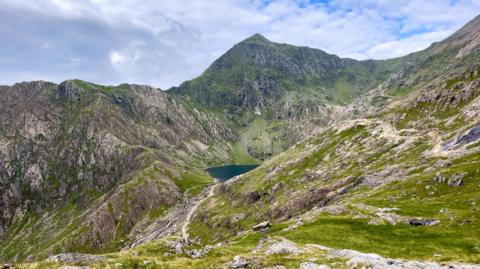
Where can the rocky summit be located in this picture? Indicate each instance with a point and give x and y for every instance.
(363, 164)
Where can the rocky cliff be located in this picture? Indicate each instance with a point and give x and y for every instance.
(285, 91)
(83, 163)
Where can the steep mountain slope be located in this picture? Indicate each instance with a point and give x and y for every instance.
(280, 93)
(81, 164)
(256, 73)
(413, 162)
(442, 62)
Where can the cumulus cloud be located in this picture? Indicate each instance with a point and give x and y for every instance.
(163, 43)
(400, 47)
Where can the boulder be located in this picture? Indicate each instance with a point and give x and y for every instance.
(195, 253)
(283, 247)
(179, 248)
(456, 180)
(391, 218)
(261, 226)
(422, 222)
(198, 253)
(439, 178)
(238, 262)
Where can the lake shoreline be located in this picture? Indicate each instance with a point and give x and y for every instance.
(226, 172)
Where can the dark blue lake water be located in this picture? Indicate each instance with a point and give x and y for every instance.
(224, 173)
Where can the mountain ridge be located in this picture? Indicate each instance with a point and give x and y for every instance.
(91, 168)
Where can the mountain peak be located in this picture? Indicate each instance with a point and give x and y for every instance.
(257, 38)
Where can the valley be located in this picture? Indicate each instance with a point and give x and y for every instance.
(361, 164)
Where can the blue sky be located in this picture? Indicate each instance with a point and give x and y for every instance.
(163, 43)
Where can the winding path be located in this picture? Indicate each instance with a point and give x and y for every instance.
(192, 211)
(175, 221)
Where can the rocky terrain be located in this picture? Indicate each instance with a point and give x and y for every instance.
(278, 94)
(79, 155)
(409, 163)
(367, 164)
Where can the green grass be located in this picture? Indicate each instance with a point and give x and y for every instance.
(455, 238)
(241, 156)
(400, 92)
(158, 212)
(218, 224)
(400, 241)
(151, 255)
(193, 184)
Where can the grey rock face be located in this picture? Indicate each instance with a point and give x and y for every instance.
(471, 136)
(70, 91)
(63, 143)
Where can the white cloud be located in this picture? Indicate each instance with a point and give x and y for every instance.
(116, 58)
(405, 46)
(166, 42)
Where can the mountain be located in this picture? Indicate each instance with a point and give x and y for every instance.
(78, 155)
(278, 94)
(258, 73)
(367, 183)
(359, 157)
